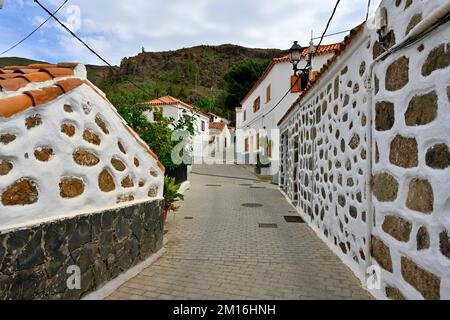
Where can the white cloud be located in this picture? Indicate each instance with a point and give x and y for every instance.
(117, 28)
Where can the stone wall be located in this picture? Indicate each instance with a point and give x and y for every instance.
(412, 165)
(326, 156)
(34, 261)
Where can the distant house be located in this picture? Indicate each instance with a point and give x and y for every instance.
(176, 109)
(260, 110)
(221, 141)
(215, 118)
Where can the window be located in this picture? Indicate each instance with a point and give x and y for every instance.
(246, 145)
(257, 104)
(268, 93)
(203, 126)
(295, 84)
(257, 142)
(269, 148)
(245, 115)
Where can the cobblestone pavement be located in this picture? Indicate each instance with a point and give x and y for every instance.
(216, 249)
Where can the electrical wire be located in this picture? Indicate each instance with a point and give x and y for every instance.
(368, 10)
(295, 83)
(34, 31)
(333, 34)
(87, 46)
(328, 23)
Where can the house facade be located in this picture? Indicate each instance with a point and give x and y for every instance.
(363, 157)
(221, 144)
(176, 109)
(260, 111)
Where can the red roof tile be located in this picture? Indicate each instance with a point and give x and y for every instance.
(15, 78)
(324, 49)
(217, 126)
(348, 39)
(171, 101)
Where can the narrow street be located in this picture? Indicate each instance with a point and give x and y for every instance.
(216, 248)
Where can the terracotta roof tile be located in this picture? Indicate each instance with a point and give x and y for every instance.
(217, 126)
(44, 95)
(58, 72)
(325, 49)
(12, 105)
(14, 78)
(347, 41)
(36, 77)
(9, 76)
(13, 84)
(69, 84)
(171, 101)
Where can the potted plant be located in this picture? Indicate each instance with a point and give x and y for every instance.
(260, 165)
(171, 195)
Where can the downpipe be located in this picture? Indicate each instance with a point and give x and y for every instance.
(437, 18)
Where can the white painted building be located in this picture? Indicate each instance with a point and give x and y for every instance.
(221, 143)
(175, 108)
(260, 111)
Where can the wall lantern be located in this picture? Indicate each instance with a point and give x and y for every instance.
(296, 55)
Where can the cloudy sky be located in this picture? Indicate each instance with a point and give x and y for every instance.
(119, 28)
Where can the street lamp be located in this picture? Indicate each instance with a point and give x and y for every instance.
(295, 56)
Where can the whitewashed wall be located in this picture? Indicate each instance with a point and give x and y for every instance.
(85, 105)
(408, 118)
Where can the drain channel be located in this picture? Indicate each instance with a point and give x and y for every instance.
(293, 219)
(252, 205)
(268, 226)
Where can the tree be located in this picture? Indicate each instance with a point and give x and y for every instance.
(240, 79)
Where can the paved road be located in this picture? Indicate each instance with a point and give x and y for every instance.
(222, 253)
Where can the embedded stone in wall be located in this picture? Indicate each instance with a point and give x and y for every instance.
(136, 162)
(394, 294)
(382, 254)
(385, 187)
(101, 124)
(7, 138)
(121, 147)
(404, 152)
(422, 109)
(397, 74)
(106, 181)
(420, 196)
(389, 42)
(118, 164)
(355, 141)
(444, 243)
(397, 227)
(91, 137)
(68, 108)
(127, 182)
(71, 187)
(413, 22)
(408, 4)
(438, 156)
(125, 198)
(33, 121)
(362, 68)
(5, 167)
(439, 58)
(68, 129)
(377, 85)
(448, 93)
(425, 282)
(353, 212)
(43, 154)
(336, 88)
(385, 115)
(85, 158)
(23, 192)
(153, 192)
(423, 239)
(154, 174)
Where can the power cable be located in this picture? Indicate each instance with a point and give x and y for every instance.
(87, 46)
(295, 83)
(34, 31)
(368, 10)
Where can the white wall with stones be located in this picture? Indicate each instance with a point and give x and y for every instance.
(326, 156)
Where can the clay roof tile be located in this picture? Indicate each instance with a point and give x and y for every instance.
(44, 95)
(69, 84)
(13, 84)
(58, 72)
(12, 105)
(36, 77)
